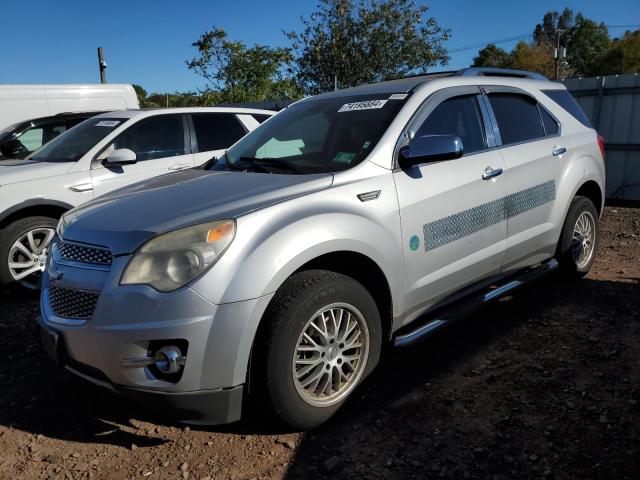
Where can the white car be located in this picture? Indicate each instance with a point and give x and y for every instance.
(102, 154)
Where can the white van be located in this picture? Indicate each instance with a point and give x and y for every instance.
(24, 102)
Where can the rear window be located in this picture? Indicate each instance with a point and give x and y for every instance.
(517, 116)
(566, 101)
(217, 131)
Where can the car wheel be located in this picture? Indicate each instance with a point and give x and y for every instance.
(579, 238)
(321, 338)
(24, 245)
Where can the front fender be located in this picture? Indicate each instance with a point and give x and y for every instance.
(271, 244)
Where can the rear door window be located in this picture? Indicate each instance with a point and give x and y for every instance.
(457, 116)
(216, 131)
(517, 116)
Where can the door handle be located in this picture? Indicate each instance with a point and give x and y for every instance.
(490, 173)
(179, 166)
(558, 150)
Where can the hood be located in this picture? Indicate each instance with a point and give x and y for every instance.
(15, 170)
(124, 219)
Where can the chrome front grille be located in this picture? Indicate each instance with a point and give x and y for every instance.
(76, 304)
(85, 254)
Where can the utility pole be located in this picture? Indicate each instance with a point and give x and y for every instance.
(102, 65)
(558, 52)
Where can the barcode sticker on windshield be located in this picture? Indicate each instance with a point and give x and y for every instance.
(367, 105)
(107, 123)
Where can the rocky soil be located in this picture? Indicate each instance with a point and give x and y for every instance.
(543, 384)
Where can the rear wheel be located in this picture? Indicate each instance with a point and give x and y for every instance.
(321, 338)
(24, 245)
(579, 238)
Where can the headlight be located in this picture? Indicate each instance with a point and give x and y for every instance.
(169, 261)
(61, 226)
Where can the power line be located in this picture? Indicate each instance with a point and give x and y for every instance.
(494, 42)
(516, 37)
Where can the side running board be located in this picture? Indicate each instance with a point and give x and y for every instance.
(474, 302)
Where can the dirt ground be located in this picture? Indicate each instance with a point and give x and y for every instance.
(544, 384)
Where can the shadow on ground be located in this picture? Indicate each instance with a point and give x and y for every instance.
(544, 384)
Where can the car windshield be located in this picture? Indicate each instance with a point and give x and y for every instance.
(75, 142)
(315, 136)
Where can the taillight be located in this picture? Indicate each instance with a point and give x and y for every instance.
(601, 144)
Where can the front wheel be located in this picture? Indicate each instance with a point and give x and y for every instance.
(24, 245)
(321, 339)
(579, 238)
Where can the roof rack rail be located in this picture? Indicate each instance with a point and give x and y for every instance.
(498, 72)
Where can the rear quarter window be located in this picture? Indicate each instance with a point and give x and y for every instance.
(260, 117)
(551, 127)
(568, 103)
(517, 116)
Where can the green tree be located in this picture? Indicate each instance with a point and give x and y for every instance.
(546, 32)
(625, 52)
(534, 58)
(237, 73)
(588, 45)
(493, 56)
(358, 41)
(141, 93)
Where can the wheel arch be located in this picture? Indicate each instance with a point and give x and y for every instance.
(30, 208)
(352, 264)
(593, 192)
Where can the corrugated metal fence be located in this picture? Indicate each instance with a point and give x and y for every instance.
(613, 105)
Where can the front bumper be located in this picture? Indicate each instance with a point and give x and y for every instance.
(127, 320)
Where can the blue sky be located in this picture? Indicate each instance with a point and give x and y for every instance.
(147, 42)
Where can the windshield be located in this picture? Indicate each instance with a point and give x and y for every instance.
(315, 136)
(74, 143)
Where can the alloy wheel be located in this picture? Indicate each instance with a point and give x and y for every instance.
(28, 256)
(331, 354)
(584, 239)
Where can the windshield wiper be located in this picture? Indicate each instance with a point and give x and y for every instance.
(268, 161)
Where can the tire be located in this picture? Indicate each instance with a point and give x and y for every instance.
(42, 230)
(576, 251)
(278, 375)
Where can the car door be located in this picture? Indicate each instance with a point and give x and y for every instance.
(453, 229)
(528, 135)
(161, 146)
(213, 133)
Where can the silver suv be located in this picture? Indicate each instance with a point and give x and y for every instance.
(349, 220)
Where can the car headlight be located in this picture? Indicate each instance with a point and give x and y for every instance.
(171, 260)
(61, 226)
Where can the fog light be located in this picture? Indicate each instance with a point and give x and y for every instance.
(168, 360)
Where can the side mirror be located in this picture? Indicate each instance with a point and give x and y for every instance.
(122, 156)
(11, 148)
(431, 148)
